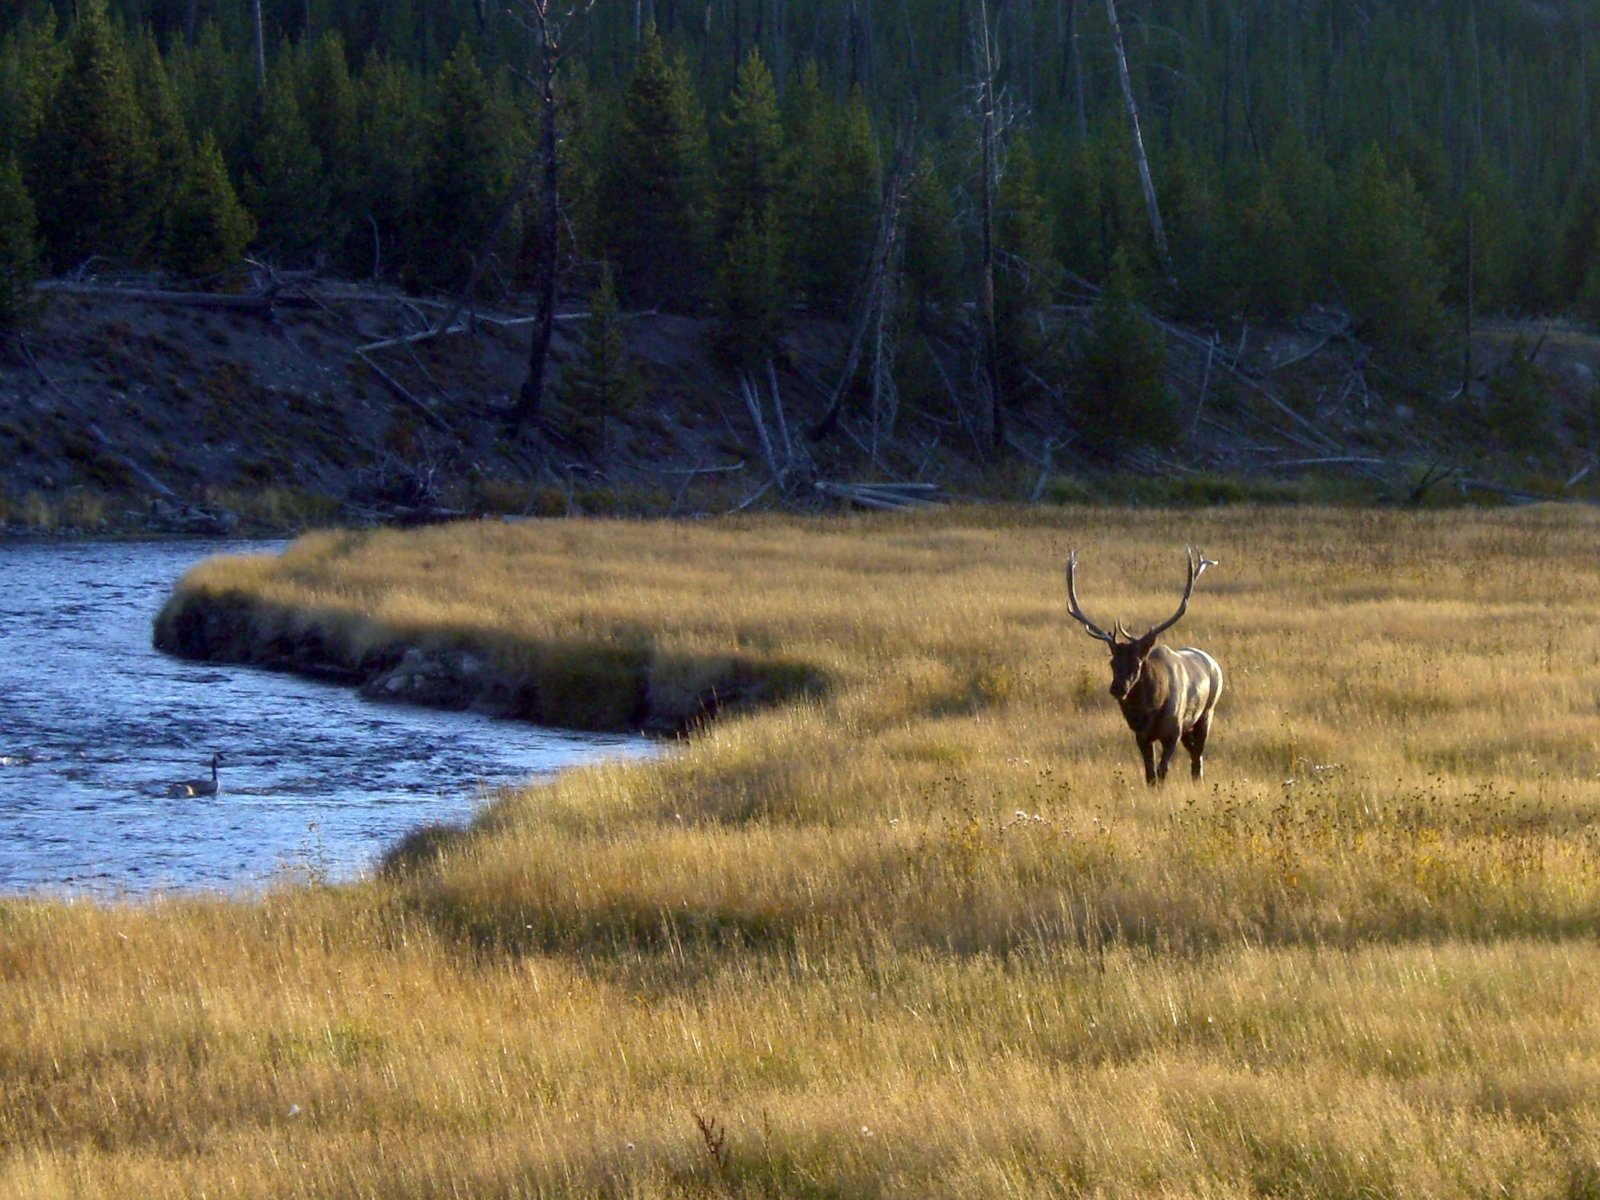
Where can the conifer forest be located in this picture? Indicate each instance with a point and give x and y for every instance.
(1394, 169)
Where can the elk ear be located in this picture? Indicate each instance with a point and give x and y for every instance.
(1146, 644)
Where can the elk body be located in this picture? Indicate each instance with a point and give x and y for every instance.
(1167, 696)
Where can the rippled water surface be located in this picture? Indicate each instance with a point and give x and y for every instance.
(95, 726)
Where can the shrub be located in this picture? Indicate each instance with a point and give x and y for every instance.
(19, 249)
(1120, 394)
(1519, 410)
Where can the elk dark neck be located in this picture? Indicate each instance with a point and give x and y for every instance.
(1148, 699)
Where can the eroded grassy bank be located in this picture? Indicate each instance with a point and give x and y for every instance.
(923, 932)
(480, 617)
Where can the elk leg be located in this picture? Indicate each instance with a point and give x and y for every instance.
(1147, 747)
(1195, 743)
(1168, 747)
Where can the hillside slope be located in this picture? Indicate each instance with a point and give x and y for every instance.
(124, 414)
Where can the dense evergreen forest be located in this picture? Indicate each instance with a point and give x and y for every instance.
(1403, 160)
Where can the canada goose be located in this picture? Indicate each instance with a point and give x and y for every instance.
(199, 787)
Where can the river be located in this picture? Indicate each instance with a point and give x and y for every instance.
(95, 726)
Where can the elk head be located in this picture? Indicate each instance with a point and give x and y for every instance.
(1129, 653)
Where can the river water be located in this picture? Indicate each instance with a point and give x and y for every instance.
(95, 726)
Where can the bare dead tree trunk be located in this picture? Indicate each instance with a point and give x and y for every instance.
(1466, 364)
(1477, 79)
(778, 54)
(1157, 230)
(1075, 48)
(873, 293)
(531, 398)
(983, 53)
(191, 22)
(260, 48)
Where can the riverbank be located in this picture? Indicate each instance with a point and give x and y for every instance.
(489, 642)
(922, 932)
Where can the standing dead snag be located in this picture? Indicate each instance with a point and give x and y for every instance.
(876, 291)
(984, 52)
(548, 28)
(1166, 695)
(1158, 230)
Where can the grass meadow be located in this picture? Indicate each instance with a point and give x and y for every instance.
(919, 929)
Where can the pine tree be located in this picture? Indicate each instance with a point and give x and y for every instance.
(653, 187)
(1120, 394)
(1490, 217)
(751, 293)
(284, 188)
(1580, 241)
(169, 138)
(602, 383)
(31, 63)
(1026, 269)
(19, 250)
(1107, 213)
(206, 227)
(212, 92)
(750, 299)
(932, 258)
(93, 160)
(833, 195)
(1387, 269)
(1192, 212)
(753, 151)
(392, 133)
(328, 100)
(464, 176)
(1519, 409)
(1267, 274)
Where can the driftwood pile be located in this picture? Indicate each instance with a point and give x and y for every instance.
(794, 476)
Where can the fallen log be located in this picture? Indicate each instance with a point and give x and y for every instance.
(1519, 495)
(873, 497)
(1342, 460)
(400, 390)
(252, 302)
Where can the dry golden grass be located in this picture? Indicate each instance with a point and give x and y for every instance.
(922, 932)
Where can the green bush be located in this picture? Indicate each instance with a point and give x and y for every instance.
(1120, 394)
(1519, 411)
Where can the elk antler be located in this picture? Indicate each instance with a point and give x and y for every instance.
(1197, 564)
(1072, 604)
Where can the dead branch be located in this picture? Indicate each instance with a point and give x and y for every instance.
(870, 296)
(777, 405)
(149, 480)
(1342, 460)
(1518, 495)
(753, 406)
(754, 496)
(884, 497)
(400, 390)
(1205, 387)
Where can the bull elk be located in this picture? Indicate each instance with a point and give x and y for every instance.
(1166, 695)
